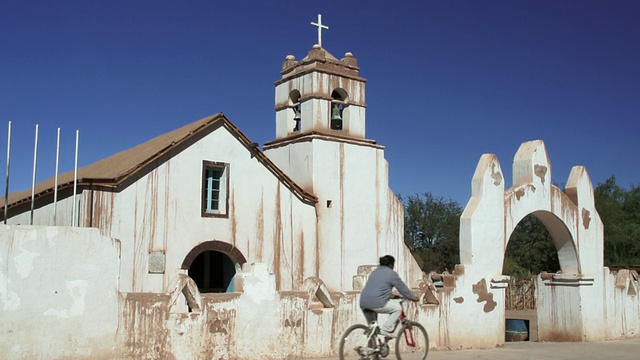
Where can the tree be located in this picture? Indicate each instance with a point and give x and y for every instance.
(619, 210)
(432, 228)
(530, 250)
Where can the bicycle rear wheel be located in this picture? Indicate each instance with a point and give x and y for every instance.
(419, 346)
(353, 344)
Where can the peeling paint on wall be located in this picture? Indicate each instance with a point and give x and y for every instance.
(10, 299)
(495, 175)
(522, 190)
(23, 262)
(540, 171)
(219, 326)
(145, 330)
(480, 289)
(586, 218)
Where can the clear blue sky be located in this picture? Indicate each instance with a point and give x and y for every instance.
(447, 80)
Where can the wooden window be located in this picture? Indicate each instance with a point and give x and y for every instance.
(215, 185)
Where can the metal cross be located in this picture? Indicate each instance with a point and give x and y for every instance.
(320, 27)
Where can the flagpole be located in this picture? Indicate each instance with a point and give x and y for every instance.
(6, 188)
(33, 179)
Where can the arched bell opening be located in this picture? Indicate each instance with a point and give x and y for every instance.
(338, 103)
(294, 105)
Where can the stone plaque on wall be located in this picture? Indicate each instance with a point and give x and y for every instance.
(156, 262)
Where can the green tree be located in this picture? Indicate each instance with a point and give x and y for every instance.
(432, 228)
(619, 210)
(530, 250)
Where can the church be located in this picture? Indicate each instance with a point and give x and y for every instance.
(198, 244)
(205, 199)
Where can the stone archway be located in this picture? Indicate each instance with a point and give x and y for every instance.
(562, 239)
(212, 265)
(570, 216)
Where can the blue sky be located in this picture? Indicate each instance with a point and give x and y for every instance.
(447, 80)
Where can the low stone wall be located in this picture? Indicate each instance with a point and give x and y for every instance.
(258, 323)
(59, 300)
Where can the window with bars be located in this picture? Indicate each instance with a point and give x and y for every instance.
(214, 188)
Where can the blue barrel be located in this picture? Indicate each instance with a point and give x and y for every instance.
(516, 330)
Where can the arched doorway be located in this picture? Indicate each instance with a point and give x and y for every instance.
(531, 250)
(212, 265)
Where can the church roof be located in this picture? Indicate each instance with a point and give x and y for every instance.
(326, 54)
(116, 169)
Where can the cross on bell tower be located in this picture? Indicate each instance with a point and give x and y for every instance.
(320, 27)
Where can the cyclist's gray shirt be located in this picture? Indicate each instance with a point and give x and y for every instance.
(377, 291)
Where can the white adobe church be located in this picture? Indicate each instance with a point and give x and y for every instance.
(270, 249)
(205, 199)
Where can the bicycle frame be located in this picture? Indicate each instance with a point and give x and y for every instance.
(374, 328)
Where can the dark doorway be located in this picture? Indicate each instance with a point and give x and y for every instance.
(213, 272)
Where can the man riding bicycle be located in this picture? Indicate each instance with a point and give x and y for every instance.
(377, 293)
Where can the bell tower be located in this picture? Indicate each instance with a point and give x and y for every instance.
(320, 107)
(320, 94)
(320, 144)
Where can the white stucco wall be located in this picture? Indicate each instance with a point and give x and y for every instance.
(265, 222)
(58, 293)
(359, 217)
(161, 211)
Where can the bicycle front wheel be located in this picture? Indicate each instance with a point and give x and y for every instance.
(412, 340)
(356, 343)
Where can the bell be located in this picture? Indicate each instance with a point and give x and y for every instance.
(296, 114)
(335, 113)
(336, 118)
(296, 117)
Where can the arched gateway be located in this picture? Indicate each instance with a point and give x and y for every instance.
(492, 214)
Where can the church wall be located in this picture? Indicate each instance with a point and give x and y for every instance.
(44, 215)
(327, 175)
(364, 219)
(390, 222)
(260, 225)
(161, 213)
(357, 211)
(58, 293)
(298, 156)
(354, 120)
(360, 206)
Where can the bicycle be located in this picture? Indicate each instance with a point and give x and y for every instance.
(365, 342)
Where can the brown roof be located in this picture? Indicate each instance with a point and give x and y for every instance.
(115, 169)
